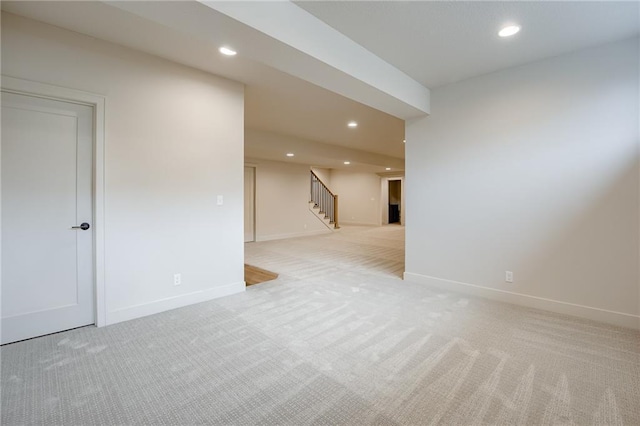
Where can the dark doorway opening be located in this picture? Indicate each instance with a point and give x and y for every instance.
(395, 201)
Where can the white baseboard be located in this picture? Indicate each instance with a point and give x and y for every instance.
(588, 312)
(292, 235)
(157, 306)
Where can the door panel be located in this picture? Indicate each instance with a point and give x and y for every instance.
(47, 267)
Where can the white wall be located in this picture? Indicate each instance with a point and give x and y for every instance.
(358, 197)
(282, 201)
(534, 170)
(174, 141)
(324, 175)
(273, 146)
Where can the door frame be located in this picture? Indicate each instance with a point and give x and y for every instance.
(97, 102)
(255, 171)
(384, 199)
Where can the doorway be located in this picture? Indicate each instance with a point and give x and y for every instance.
(392, 202)
(47, 216)
(249, 204)
(395, 200)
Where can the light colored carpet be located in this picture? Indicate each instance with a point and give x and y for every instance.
(338, 338)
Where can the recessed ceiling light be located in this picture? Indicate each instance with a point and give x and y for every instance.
(290, 154)
(509, 31)
(352, 124)
(347, 162)
(227, 51)
(387, 168)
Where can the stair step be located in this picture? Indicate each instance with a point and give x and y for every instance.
(323, 216)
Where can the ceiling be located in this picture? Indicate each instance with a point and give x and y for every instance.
(275, 102)
(297, 108)
(435, 43)
(441, 42)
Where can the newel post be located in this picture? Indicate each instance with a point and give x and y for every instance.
(335, 212)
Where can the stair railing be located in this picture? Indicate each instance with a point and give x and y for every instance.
(324, 199)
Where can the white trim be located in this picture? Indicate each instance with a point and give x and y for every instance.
(42, 90)
(292, 235)
(620, 319)
(162, 305)
(350, 223)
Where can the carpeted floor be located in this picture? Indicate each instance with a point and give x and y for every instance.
(338, 338)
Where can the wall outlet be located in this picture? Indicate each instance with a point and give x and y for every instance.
(220, 200)
(177, 279)
(508, 276)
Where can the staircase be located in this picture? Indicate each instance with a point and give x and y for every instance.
(323, 203)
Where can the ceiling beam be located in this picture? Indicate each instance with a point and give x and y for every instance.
(284, 36)
(328, 58)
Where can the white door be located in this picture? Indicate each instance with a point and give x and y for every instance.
(47, 264)
(249, 204)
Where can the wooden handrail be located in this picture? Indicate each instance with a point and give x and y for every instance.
(321, 182)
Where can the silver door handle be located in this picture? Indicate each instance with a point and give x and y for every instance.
(84, 226)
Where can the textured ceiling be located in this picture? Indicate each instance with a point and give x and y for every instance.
(438, 43)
